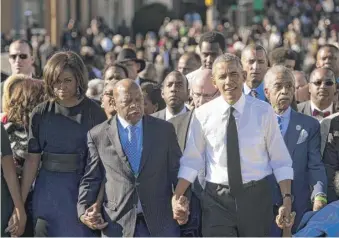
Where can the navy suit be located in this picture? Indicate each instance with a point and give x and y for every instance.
(302, 139)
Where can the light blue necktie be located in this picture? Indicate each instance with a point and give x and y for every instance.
(131, 148)
(279, 118)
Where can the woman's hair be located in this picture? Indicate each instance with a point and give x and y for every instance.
(153, 92)
(118, 65)
(60, 62)
(24, 97)
(9, 85)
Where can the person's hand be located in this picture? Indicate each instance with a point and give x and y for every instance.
(180, 206)
(317, 205)
(17, 222)
(93, 218)
(285, 218)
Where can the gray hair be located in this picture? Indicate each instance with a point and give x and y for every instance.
(270, 74)
(95, 89)
(226, 58)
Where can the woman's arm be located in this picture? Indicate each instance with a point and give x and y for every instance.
(29, 173)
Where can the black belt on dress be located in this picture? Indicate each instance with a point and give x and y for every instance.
(60, 162)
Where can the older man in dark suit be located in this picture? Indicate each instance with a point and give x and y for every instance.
(302, 137)
(330, 151)
(138, 169)
(322, 89)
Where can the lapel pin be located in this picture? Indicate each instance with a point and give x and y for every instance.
(298, 127)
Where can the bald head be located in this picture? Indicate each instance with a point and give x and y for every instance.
(322, 72)
(203, 89)
(128, 100)
(300, 79)
(188, 62)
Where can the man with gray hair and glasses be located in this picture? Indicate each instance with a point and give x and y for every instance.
(237, 137)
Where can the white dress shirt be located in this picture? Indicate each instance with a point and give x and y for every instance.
(261, 145)
(169, 115)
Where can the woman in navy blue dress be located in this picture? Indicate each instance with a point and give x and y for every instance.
(57, 137)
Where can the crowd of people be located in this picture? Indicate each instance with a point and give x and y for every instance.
(189, 132)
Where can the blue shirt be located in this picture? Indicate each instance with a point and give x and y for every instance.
(285, 120)
(123, 134)
(259, 90)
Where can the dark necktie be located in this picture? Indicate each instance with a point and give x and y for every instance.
(254, 93)
(319, 113)
(233, 156)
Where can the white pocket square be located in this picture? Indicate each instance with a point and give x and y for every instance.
(302, 137)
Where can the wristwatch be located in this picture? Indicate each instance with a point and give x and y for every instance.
(288, 195)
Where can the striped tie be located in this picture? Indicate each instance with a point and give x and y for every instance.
(279, 118)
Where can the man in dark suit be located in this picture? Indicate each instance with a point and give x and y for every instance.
(330, 151)
(302, 137)
(175, 93)
(203, 91)
(322, 89)
(138, 169)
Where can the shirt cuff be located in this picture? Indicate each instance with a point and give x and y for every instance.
(187, 173)
(283, 173)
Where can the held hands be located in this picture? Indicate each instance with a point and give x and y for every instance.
(93, 218)
(285, 219)
(180, 206)
(17, 223)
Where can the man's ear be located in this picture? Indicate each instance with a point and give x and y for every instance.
(244, 75)
(214, 82)
(267, 94)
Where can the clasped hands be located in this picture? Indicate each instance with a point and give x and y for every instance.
(285, 218)
(180, 207)
(93, 218)
(17, 223)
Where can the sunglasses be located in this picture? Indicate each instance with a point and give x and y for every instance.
(21, 56)
(327, 83)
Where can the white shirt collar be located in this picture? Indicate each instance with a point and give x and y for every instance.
(138, 81)
(169, 115)
(125, 124)
(238, 106)
(286, 113)
(329, 109)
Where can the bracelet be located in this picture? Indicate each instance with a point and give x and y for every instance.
(320, 198)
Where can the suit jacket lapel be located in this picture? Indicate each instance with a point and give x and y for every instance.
(184, 125)
(324, 130)
(292, 134)
(307, 110)
(113, 135)
(147, 141)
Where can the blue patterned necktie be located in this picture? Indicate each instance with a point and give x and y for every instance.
(279, 118)
(131, 148)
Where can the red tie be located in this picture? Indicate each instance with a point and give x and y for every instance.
(319, 113)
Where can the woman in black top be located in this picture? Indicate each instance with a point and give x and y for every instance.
(10, 192)
(57, 135)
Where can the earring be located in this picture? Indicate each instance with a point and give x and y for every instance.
(78, 93)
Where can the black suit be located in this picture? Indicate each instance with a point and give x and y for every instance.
(181, 124)
(153, 186)
(330, 137)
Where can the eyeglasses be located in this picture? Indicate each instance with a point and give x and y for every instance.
(21, 56)
(326, 83)
(206, 96)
